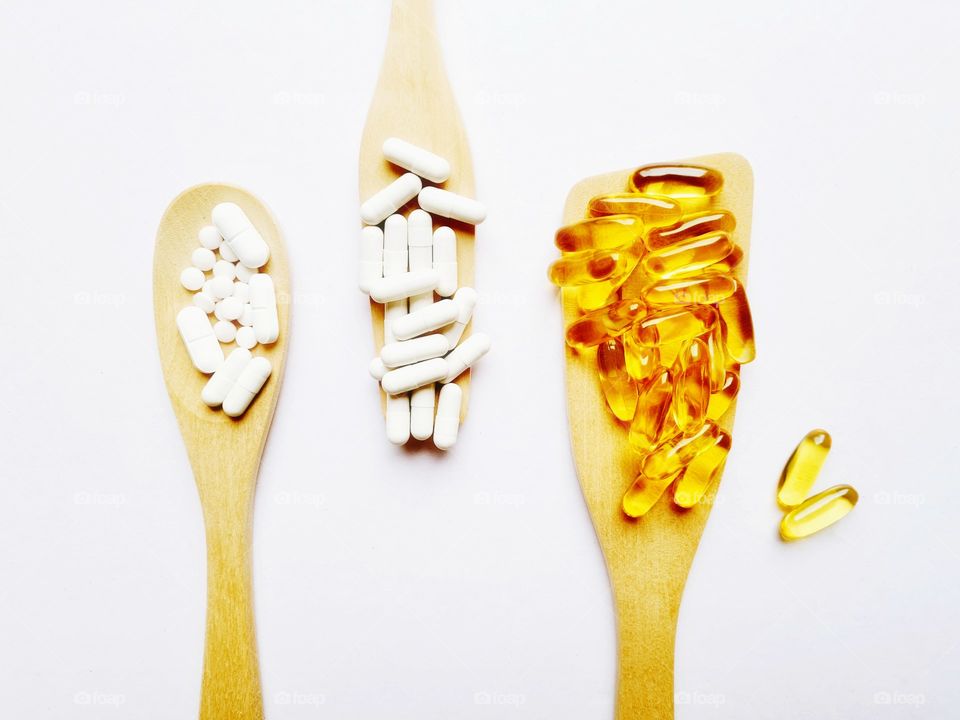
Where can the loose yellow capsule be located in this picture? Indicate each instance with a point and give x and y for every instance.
(691, 385)
(691, 226)
(591, 329)
(619, 389)
(654, 210)
(653, 406)
(729, 262)
(801, 470)
(706, 289)
(701, 472)
(689, 256)
(675, 453)
(818, 512)
(674, 324)
(592, 266)
(737, 326)
(602, 233)
(691, 185)
(718, 358)
(642, 361)
(644, 494)
(594, 296)
(720, 400)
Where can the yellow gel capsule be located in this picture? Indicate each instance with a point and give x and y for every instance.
(706, 289)
(691, 226)
(619, 389)
(691, 385)
(718, 358)
(674, 324)
(818, 512)
(737, 326)
(801, 470)
(591, 266)
(692, 185)
(644, 494)
(642, 361)
(594, 296)
(603, 233)
(729, 262)
(675, 453)
(701, 473)
(652, 209)
(653, 406)
(720, 400)
(591, 329)
(689, 256)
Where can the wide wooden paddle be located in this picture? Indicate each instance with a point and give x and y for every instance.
(225, 453)
(413, 101)
(647, 559)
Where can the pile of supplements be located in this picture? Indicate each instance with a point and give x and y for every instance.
(655, 269)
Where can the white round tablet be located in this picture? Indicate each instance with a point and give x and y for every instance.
(221, 287)
(222, 268)
(209, 237)
(225, 331)
(192, 278)
(246, 338)
(246, 317)
(204, 302)
(227, 254)
(244, 273)
(203, 258)
(242, 291)
(231, 308)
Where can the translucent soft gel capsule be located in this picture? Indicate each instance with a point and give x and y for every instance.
(653, 406)
(720, 400)
(737, 325)
(691, 185)
(596, 295)
(642, 361)
(691, 226)
(674, 324)
(689, 256)
(706, 289)
(602, 233)
(609, 321)
(653, 210)
(644, 493)
(691, 385)
(619, 389)
(592, 266)
(801, 470)
(718, 358)
(676, 452)
(818, 512)
(701, 473)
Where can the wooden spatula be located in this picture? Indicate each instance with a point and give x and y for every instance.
(647, 559)
(225, 453)
(413, 101)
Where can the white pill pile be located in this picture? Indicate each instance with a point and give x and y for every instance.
(228, 283)
(404, 264)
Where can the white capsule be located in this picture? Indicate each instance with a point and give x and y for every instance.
(392, 311)
(222, 268)
(203, 259)
(410, 377)
(220, 288)
(407, 352)
(443, 202)
(404, 285)
(244, 273)
(393, 197)
(248, 384)
(420, 250)
(204, 302)
(447, 425)
(445, 260)
(246, 317)
(225, 331)
(422, 401)
(394, 245)
(227, 254)
(466, 300)
(466, 354)
(377, 369)
(197, 334)
(231, 308)
(241, 290)
(417, 160)
(263, 300)
(209, 237)
(219, 384)
(192, 278)
(398, 418)
(430, 317)
(246, 338)
(371, 256)
(240, 235)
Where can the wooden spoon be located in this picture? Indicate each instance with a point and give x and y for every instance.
(647, 559)
(225, 453)
(413, 101)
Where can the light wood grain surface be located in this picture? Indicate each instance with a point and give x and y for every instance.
(647, 559)
(224, 453)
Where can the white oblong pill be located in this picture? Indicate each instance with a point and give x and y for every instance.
(371, 256)
(398, 419)
(197, 334)
(394, 245)
(420, 251)
(203, 258)
(390, 199)
(219, 384)
(263, 300)
(240, 235)
(209, 237)
(407, 352)
(377, 369)
(410, 377)
(447, 425)
(227, 254)
(430, 317)
(391, 312)
(466, 300)
(422, 401)
(404, 285)
(192, 278)
(248, 384)
(204, 302)
(445, 260)
(416, 159)
(246, 338)
(466, 354)
(443, 202)
(225, 331)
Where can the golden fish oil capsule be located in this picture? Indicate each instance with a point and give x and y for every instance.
(691, 185)
(602, 233)
(737, 326)
(675, 453)
(594, 296)
(689, 256)
(691, 385)
(718, 358)
(701, 472)
(691, 226)
(644, 494)
(591, 266)
(652, 209)
(610, 321)
(619, 389)
(802, 468)
(642, 361)
(720, 401)
(653, 406)
(706, 289)
(674, 324)
(818, 512)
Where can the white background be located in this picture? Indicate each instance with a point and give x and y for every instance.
(392, 584)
